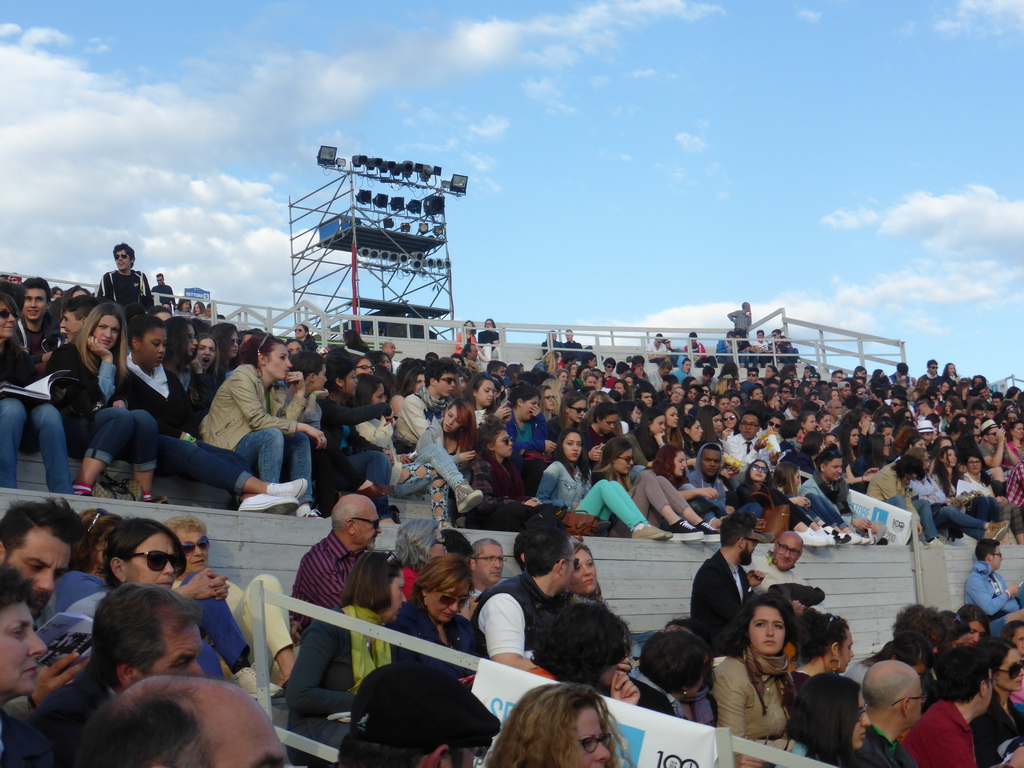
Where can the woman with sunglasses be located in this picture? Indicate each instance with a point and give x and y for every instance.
(440, 591)
(29, 424)
(98, 425)
(143, 551)
(1001, 722)
(195, 543)
(565, 725)
(334, 661)
(257, 412)
(506, 505)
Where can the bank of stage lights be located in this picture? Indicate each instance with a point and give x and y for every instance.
(431, 206)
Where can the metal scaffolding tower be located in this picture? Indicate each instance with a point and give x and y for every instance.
(373, 240)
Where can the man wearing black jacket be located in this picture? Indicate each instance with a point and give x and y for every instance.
(125, 285)
(721, 586)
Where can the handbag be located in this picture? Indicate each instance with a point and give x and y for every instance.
(776, 518)
(106, 487)
(579, 524)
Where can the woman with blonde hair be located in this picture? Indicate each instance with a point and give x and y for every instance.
(562, 725)
(97, 430)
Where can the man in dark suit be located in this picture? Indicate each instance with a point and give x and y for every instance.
(721, 586)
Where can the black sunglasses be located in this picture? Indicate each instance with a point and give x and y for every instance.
(157, 561)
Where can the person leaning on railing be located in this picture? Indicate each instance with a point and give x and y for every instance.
(334, 661)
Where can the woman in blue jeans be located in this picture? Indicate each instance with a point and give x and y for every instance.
(98, 425)
(256, 413)
(27, 424)
(349, 457)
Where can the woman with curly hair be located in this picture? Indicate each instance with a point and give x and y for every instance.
(588, 644)
(561, 725)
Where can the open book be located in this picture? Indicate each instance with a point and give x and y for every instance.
(65, 633)
(37, 390)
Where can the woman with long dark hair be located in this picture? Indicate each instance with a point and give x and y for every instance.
(828, 721)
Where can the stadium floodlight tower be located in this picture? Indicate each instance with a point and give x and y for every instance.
(373, 240)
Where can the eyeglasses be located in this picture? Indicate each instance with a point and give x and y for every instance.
(1014, 669)
(922, 699)
(157, 561)
(374, 523)
(190, 546)
(6, 314)
(462, 600)
(788, 550)
(590, 743)
(489, 558)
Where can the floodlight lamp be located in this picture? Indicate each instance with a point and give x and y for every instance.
(433, 205)
(388, 223)
(424, 228)
(327, 156)
(458, 183)
(414, 207)
(380, 200)
(397, 203)
(405, 227)
(363, 196)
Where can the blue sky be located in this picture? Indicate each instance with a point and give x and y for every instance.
(648, 162)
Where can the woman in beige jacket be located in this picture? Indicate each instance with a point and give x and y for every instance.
(254, 415)
(752, 686)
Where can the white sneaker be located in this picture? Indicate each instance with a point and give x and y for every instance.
(245, 678)
(305, 510)
(273, 505)
(296, 489)
(811, 538)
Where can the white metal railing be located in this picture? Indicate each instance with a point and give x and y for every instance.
(821, 345)
(728, 746)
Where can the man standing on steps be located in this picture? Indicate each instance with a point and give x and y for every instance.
(125, 285)
(741, 318)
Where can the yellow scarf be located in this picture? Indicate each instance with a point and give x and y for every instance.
(367, 653)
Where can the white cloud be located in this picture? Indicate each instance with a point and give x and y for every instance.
(691, 143)
(491, 127)
(992, 16)
(808, 15)
(847, 219)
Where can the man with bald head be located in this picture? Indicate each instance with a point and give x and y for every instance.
(893, 695)
(183, 722)
(779, 573)
(324, 570)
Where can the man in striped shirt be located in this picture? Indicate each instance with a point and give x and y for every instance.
(324, 570)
